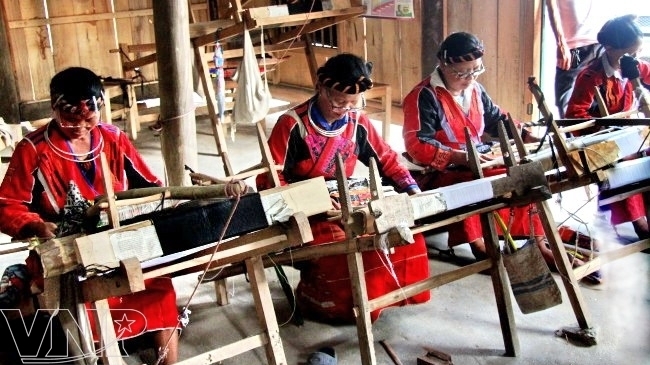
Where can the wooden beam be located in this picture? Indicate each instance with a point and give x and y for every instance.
(310, 27)
(270, 48)
(142, 61)
(300, 19)
(209, 28)
(72, 19)
(219, 35)
(17, 24)
(178, 140)
(10, 100)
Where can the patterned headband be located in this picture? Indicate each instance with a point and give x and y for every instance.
(80, 108)
(474, 53)
(357, 86)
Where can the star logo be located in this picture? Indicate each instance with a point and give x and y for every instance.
(124, 324)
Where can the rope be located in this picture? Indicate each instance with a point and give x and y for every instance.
(234, 188)
(177, 117)
(184, 317)
(302, 27)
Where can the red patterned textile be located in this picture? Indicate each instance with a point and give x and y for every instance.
(150, 310)
(324, 292)
(35, 189)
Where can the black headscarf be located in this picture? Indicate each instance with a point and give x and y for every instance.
(620, 33)
(346, 73)
(460, 47)
(76, 89)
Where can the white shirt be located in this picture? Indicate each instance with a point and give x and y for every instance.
(583, 19)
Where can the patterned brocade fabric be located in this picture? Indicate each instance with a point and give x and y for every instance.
(441, 159)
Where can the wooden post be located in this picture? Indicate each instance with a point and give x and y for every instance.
(498, 272)
(311, 58)
(9, 101)
(357, 272)
(110, 353)
(178, 138)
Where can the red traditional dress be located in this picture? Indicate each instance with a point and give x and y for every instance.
(300, 142)
(37, 184)
(618, 94)
(434, 124)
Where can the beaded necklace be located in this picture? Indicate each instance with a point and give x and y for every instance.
(321, 131)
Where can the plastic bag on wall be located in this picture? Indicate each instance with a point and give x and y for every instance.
(252, 97)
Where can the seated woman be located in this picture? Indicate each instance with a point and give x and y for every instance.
(619, 36)
(436, 113)
(58, 164)
(306, 140)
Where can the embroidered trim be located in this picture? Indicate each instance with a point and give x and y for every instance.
(441, 159)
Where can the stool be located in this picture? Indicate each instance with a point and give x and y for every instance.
(383, 92)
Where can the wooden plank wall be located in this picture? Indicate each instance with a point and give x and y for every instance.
(47, 36)
(394, 47)
(83, 32)
(136, 29)
(295, 70)
(30, 48)
(510, 30)
(9, 103)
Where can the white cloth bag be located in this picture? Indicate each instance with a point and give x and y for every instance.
(252, 98)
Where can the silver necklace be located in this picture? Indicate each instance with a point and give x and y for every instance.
(71, 156)
(322, 131)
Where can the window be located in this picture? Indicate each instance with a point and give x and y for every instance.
(644, 22)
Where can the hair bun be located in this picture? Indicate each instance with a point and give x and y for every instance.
(620, 33)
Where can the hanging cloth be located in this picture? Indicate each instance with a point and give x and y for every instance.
(252, 98)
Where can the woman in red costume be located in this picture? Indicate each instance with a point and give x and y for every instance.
(58, 164)
(436, 113)
(306, 140)
(619, 36)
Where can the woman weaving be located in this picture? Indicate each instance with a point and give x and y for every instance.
(436, 113)
(53, 174)
(306, 140)
(619, 36)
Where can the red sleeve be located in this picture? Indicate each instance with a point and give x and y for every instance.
(584, 93)
(141, 169)
(16, 190)
(420, 117)
(387, 158)
(644, 71)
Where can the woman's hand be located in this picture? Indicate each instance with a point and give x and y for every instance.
(414, 190)
(39, 229)
(563, 56)
(202, 179)
(460, 158)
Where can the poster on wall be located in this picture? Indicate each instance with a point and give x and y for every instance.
(397, 9)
